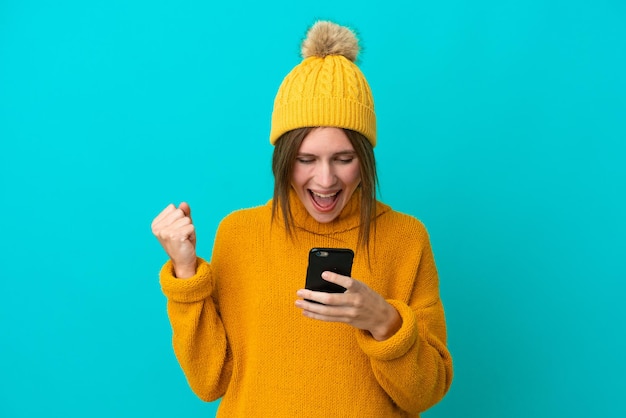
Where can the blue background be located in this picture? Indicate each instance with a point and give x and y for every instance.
(501, 126)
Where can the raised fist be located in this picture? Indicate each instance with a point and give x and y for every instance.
(174, 229)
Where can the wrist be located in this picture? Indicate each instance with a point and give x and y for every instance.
(391, 325)
(185, 271)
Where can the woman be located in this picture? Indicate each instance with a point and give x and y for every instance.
(244, 328)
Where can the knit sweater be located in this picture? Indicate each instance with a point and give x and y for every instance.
(238, 335)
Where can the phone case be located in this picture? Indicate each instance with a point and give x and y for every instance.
(338, 260)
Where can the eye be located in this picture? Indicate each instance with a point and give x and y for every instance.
(303, 160)
(345, 160)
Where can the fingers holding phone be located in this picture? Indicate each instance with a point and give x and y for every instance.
(174, 229)
(331, 295)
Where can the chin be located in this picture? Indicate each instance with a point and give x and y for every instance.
(324, 219)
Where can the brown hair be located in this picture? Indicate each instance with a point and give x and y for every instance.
(285, 152)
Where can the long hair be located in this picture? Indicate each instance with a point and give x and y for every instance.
(284, 158)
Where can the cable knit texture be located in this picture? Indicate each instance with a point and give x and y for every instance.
(238, 335)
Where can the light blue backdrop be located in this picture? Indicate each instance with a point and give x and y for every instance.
(501, 126)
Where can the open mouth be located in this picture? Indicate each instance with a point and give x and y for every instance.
(324, 202)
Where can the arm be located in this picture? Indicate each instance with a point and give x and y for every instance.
(199, 338)
(414, 366)
(187, 281)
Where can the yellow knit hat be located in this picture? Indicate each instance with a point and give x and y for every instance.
(326, 88)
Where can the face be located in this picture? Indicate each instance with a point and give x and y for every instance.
(326, 173)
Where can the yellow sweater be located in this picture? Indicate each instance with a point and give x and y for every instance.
(238, 335)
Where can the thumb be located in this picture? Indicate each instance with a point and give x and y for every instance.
(184, 206)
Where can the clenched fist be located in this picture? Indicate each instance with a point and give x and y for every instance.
(175, 231)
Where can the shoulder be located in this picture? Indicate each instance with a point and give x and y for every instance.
(393, 220)
(401, 236)
(396, 230)
(241, 228)
(245, 218)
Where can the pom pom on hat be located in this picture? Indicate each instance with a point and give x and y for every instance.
(326, 88)
(327, 38)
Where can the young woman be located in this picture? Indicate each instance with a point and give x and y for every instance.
(245, 330)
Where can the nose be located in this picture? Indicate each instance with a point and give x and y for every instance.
(325, 175)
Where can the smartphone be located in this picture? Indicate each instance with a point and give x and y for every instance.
(337, 260)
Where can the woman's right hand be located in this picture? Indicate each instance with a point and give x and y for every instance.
(175, 231)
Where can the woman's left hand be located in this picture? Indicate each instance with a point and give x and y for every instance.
(358, 306)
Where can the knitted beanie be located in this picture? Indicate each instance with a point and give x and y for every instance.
(326, 88)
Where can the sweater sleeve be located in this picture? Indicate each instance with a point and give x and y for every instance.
(199, 338)
(414, 366)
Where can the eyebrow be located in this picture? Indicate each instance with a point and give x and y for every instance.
(339, 153)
